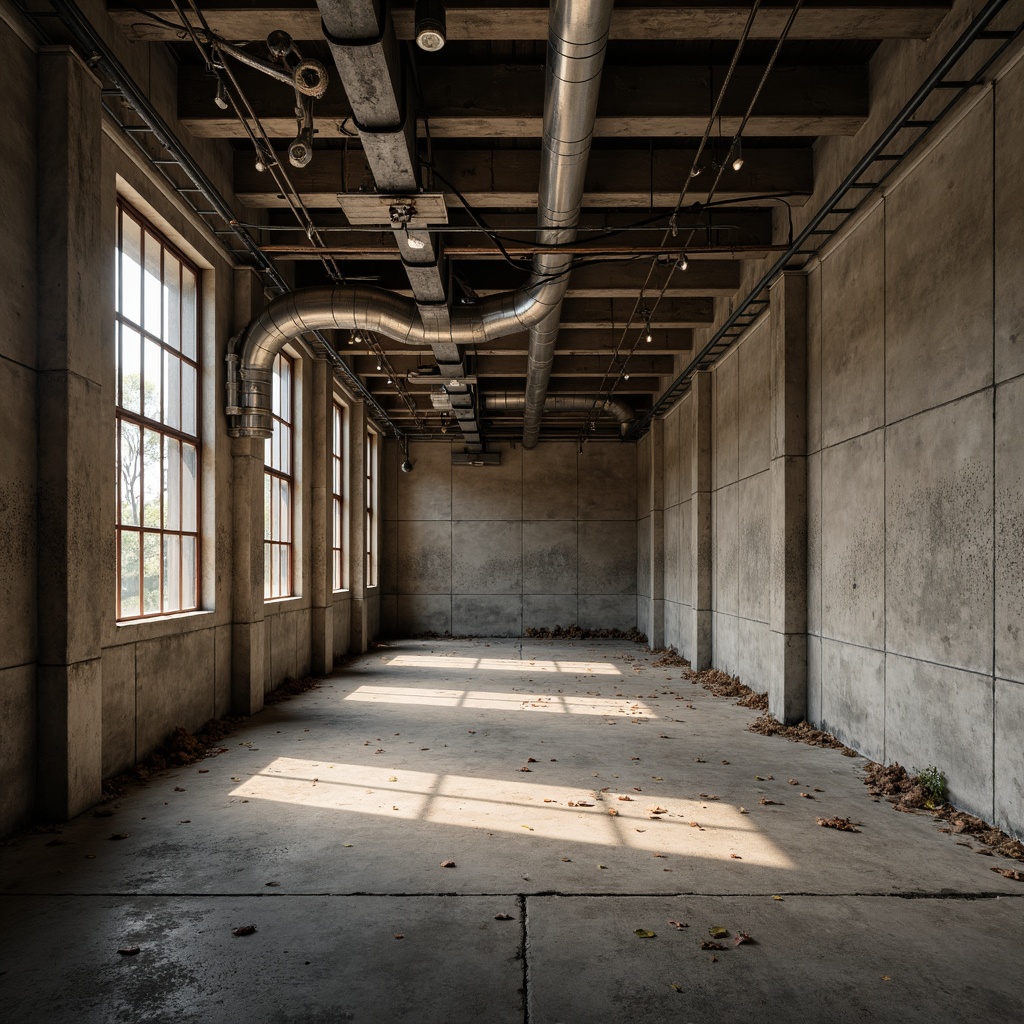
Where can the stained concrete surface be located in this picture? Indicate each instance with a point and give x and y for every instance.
(327, 818)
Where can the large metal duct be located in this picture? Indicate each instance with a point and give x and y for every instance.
(577, 39)
(564, 403)
(578, 30)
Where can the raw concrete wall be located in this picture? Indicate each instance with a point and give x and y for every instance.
(547, 538)
(18, 384)
(678, 471)
(915, 473)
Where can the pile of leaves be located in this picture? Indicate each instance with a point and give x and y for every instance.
(802, 732)
(721, 684)
(578, 633)
(903, 790)
(669, 656)
(292, 688)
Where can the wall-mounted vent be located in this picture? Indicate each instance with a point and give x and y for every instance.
(476, 458)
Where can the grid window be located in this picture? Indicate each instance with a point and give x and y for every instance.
(371, 509)
(156, 331)
(338, 497)
(279, 485)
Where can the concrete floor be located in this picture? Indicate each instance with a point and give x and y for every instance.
(327, 821)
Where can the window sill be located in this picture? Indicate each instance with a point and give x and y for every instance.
(157, 626)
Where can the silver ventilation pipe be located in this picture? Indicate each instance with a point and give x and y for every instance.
(564, 403)
(575, 56)
(577, 40)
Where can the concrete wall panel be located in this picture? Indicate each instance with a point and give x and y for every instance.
(1009, 756)
(549, 557)
(487, 614)
(726, 550)
(607, 481)
(685, 592)
(282, 646)
(814, 680)
(118, 673)
(643, 557)
(853, 541)
(607, 557)
(424, 613)
(426, 492)
(725, 430)
(673, 560)
(1009, 224)
(174, 684)
(853, 696)
(724, 638)
(939, 535)
(607, 611)
(17, 744)
(643, 476)
(222, 671)
(425, 557)
(549, 482)
(546, 611)
(487, 557)
(814, 530)
(753, 546)
(754, 425)
(1009, 495)
(853, 333)
(943, 717)
(938, 343)
(677, 484)
(814, 356)
(489, 492)
(753, 650)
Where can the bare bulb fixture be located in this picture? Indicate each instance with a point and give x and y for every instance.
(407, 466)
(648, 337)
(430, 24)
(221, 98)
(683, 262)
(737, 156)
(625, 376)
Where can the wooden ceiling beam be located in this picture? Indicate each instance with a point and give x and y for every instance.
(511, 20)
(506, 101)
(490, 179)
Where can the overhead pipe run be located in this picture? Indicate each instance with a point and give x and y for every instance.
(564, 403)
(578, 30)
(577, 41)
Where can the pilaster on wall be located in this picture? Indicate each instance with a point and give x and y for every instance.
(700, 522)
(360, 637)
(75, 438)
(248, 634)
(655, 499)
(321, 521)
(787, 668)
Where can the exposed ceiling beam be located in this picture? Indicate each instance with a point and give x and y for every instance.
(639, 19)
(490, 178)
(578, 342)
(490, 365)
(506, 101)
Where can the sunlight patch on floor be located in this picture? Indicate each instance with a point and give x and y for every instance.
(552, 703)
(527, 809)
(580, 668)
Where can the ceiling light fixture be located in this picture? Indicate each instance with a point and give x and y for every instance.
(683, 262)
(221, 98)
(430, 25)
(737, 163)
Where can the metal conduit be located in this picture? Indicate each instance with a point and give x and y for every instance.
(577, 40)
(578, 32)
(564, 403)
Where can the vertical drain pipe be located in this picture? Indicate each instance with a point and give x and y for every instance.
(577, 40)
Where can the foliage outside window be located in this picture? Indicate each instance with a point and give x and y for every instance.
(156, 331)
(279, 484)
(338, 497)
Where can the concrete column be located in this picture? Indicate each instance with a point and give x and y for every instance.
(360, 639)
(700, 528)
(656, 499)
(321, 521)
(248, 631)
(76, 435)
(787, 669)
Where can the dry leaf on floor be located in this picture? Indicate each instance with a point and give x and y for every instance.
(529, 828)
(657, 778)
(583, 803)
(781, 899)
(273, 884)
(743, 939)
(735, 856)
(712, 945)
(128, 950)
(391, 778)
(643, 933)
(603, 867)
(807, 796)
(625, 798)
(656, 809)
(765, 802)
(567, 860)
(743, 810)
(549, 800)
(502, 917)
(708, 796)
(679, 925)
(718, 932)
(119, 835)
(1017, 876)
(525, 769)
(794, 782)
(843, 824)
(531, 760)
(447, 863)
(676, 986)
(612, 811)
(658, 855)
(179, 789)
(243, 929)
